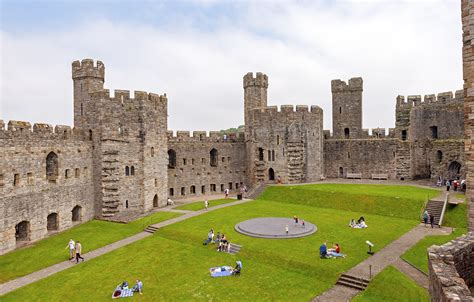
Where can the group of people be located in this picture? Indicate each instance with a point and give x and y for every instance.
(360, 224)
(334, 252)
(118, 292)
(221, 240)
(297, 221)
(456, 184)
(428, 217)
(75, 250)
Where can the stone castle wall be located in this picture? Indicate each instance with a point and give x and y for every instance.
(451, 270)
(196, 171)
(286, 145)
(28, 194)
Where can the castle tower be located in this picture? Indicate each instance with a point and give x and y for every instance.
(255, 95)
(347, 108)
(87, 78)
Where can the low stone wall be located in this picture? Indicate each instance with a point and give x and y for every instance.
(451, 268)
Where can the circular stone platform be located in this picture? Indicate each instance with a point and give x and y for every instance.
(274, 228)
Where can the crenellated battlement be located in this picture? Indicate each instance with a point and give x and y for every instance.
(86, 68)
(204, 137)
(41, 131)
(287, 109)
(354, 84)
(123, 97)
(373, 133)
(260, 80)
(442, 98)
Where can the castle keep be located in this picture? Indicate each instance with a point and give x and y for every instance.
(121, 160)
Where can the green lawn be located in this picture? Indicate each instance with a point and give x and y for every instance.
(199, 205)
(393, 201)
(92, 234)
(392, 285)
(455, 217)
(174, 265)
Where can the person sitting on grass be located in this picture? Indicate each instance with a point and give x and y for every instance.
(218, 238)
(336, 251)
(138, 287)
(360, 219)
(238, 268)
(323, 251)
(352, 223)
(210, 236)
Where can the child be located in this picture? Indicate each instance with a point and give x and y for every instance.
(302, 224)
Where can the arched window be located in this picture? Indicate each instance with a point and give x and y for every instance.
(155, 201)
(192, 190)
(127, 171)
(171, 159)
(22, 231)
(454, 170)
(152, 152)
(132, 170)
(260, 154)
(76, 213)
(52, 222)
(213, 157)
(346, 133)
(439, 155)
(52, 167)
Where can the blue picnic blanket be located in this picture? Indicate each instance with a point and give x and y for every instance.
(123, 293)
(221, 271)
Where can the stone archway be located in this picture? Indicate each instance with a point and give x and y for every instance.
(155, 201)
(271, 174)
(454, 170)
(341, 172)
(22, 231)
(76, 213)
(52, 222)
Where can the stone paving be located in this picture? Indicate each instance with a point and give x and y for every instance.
(274, 228)
(389, 255)
(51, 270)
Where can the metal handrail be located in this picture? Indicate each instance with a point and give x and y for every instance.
(444, 209)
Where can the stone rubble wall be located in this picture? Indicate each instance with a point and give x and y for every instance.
(451, 270)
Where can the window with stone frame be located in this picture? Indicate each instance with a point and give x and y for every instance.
(2, 180)
(132, 170)
(203, 189)
(16, 180)
(434, 132)
(260, 154)
(404, 135)
(192, 190)
(171, 192)
(183, 191)
(30, 179)
(152, 152)
(213, 156)
(127, 171)
(171, 159)
(67, 173)
(222, 187)
(86, 172)
(213, 187)
(52, 167)
(77, 173)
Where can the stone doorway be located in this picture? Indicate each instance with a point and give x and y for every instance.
(454, 170)
(52, 222)
(155, 201)
(271, 174)
(76, 213)
(341, 172)
(22, 231)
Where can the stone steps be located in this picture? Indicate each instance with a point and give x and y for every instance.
(151, 229)
(434, 207)
(234, 248)
(353, 282)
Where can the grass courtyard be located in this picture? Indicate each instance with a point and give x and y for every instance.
(174, 265)
(93, 235)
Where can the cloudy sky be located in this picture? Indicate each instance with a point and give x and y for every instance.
(198, 51)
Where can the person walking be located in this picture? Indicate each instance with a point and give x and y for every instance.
(286, 229)
(226, 192)
(78, 252)
(426, 216)
(71, 245)
(206, 204)
(448, 185)
(432, 220)
(302, 224)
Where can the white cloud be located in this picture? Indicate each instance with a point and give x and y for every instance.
(398, 48)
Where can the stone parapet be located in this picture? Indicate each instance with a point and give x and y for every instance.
(451, 270)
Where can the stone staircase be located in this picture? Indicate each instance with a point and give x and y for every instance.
(435, 207)
(234, 248)
(353, 282)
(295, 153)
(151, 229)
